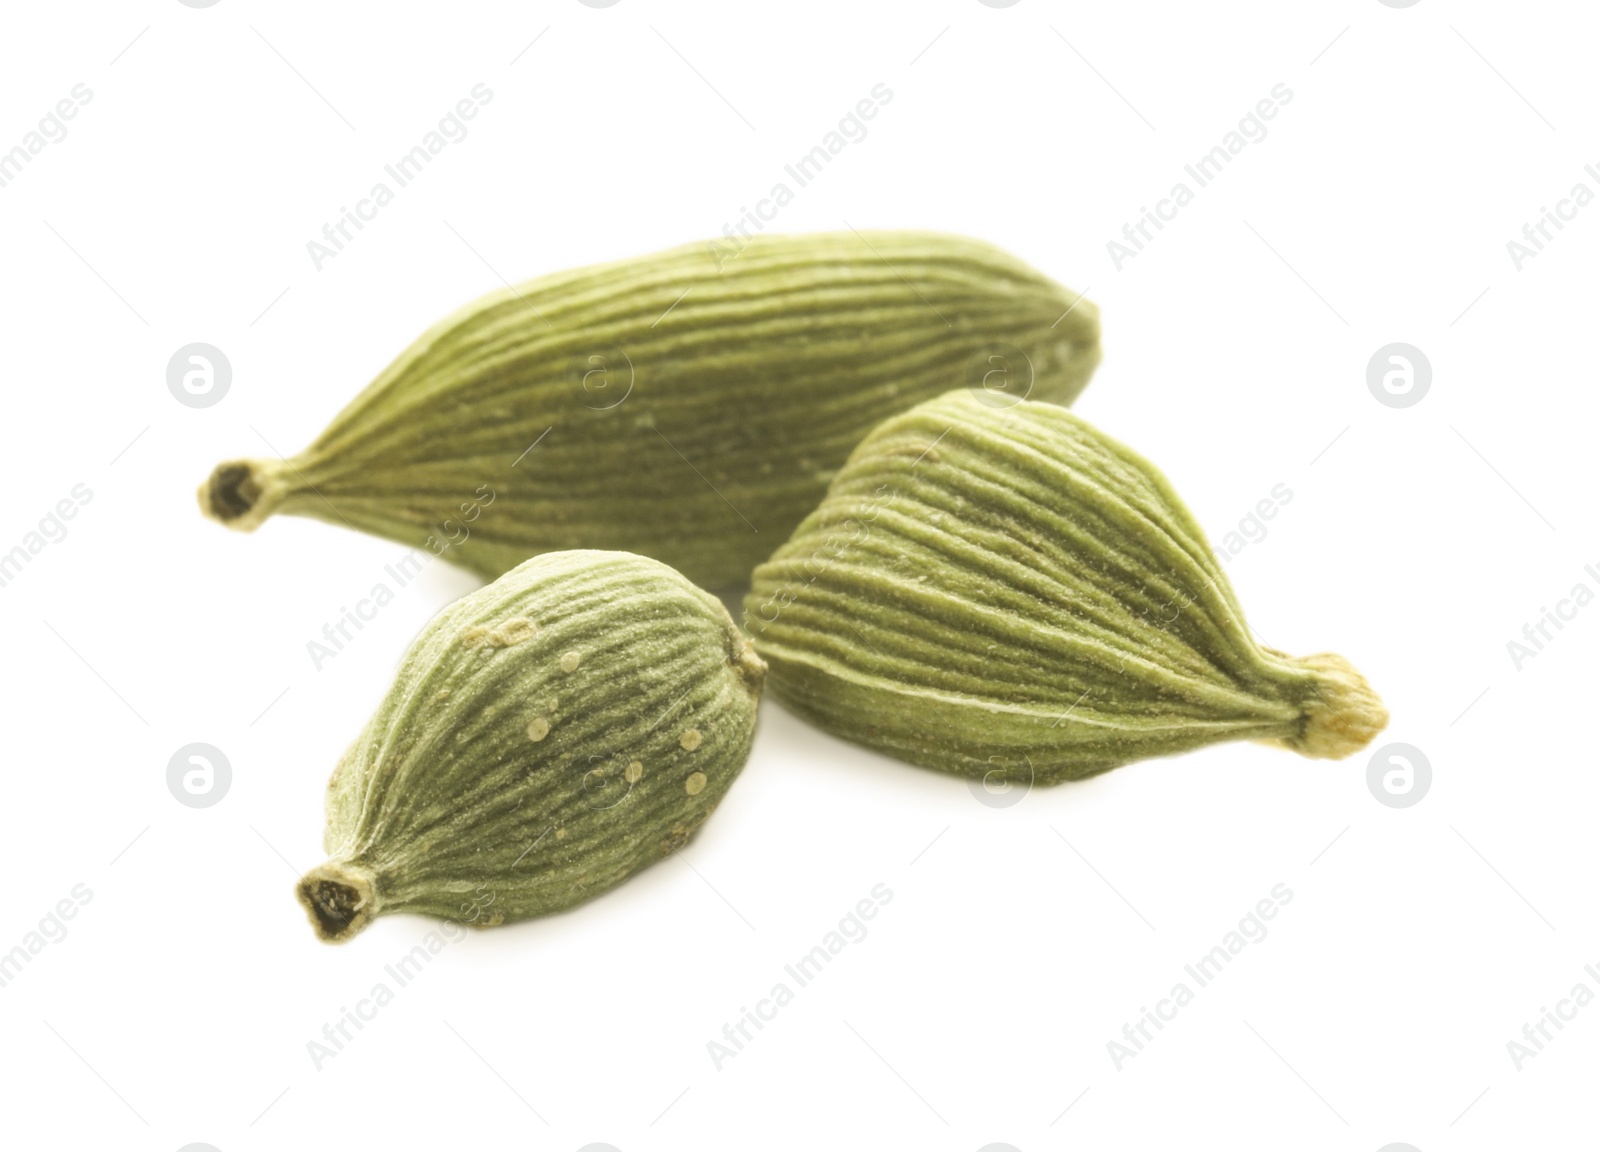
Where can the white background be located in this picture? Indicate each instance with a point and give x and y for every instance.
(1020, 939)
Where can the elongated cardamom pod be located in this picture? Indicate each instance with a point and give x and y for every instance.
(546, 737)
(1005, 592)
(690, 406)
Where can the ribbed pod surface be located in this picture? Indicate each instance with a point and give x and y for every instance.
(545, 737)
(1007, 592)
(686, 406)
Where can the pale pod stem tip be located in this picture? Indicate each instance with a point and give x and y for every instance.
(340, 899)
(1341, 714)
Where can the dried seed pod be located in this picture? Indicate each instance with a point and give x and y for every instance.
(500, 780)
(1007, 592)
(689, 406)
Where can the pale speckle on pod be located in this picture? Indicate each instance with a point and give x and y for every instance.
(1034, 597)
(486, 811)
(690, 740)
(689, 405)
(502, 635)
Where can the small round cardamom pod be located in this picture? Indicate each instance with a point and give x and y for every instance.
(546, 737)
(1006, 591)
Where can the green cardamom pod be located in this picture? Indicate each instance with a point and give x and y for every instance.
(690, 406)
(546, 737)
(1006, 592)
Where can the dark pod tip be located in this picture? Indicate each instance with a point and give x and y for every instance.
(339, 899)
(242, 493)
